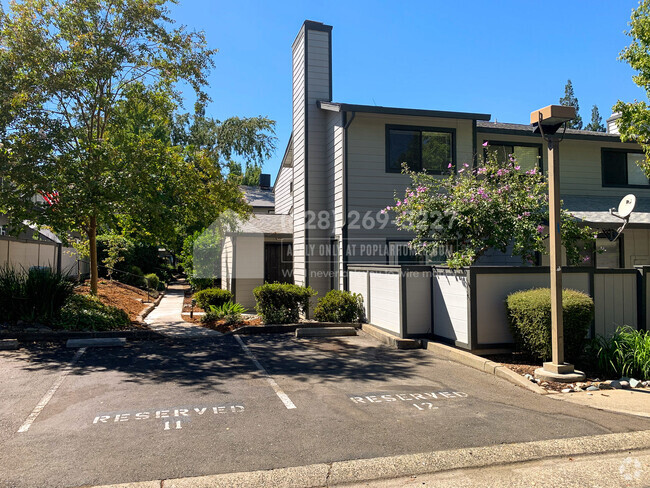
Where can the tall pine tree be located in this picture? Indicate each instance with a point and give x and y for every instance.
(569, 99)
(596, 123)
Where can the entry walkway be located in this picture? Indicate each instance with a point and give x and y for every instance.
(166, 317)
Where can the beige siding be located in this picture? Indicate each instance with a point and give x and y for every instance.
(282, 191)
(385, 307)
(249, 268)
(319, 187)
(636, 247)
(227, 264)
(371, 188)
(418, 303)
(450, 301)
(299, 156)
(492, 291)
(615, 302)
(359, 284)
(20, 254)
(580, 165)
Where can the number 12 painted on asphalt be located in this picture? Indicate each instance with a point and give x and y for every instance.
(425, 406)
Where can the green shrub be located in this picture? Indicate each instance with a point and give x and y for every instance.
(36, 295)
(282, 303)
(85, 312)
(626, 353)
(229, 311)
(199, 284)
(212, 296)
(152, 281)
(529, 317)
(339, 306)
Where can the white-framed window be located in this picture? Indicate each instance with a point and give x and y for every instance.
(3, 230)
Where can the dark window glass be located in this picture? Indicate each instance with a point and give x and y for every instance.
(421, 150)
(404, 148)
(436, 151)
(527, 156)
(614, 168)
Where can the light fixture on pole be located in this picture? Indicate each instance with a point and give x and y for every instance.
(547, 121)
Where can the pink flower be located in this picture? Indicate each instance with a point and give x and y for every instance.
(398, 203)
(540, 229)
(586, 259)
(517, 168)
(449, 166)
(485, 144)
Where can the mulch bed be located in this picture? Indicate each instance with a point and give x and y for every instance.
(524, 364)
(220, 325)
(128, 298)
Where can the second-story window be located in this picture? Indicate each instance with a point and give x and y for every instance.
(621, 168)
(422, 149)
(527, 156)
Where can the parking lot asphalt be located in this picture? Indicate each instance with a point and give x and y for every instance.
(160, 410)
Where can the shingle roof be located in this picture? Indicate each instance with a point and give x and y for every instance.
(595, 210)
(527, 130)
(266, 224)
(259, 197)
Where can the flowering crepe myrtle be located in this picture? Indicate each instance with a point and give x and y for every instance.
(493, 206)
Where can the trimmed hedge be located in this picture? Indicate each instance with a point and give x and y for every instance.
(529, 317)
(282, 303)
(212, 296)
(339, 306)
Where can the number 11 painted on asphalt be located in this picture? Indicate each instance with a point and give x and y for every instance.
(168, 426)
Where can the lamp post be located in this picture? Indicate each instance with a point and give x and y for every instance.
(547, 121)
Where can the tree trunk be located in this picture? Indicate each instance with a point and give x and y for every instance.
(92, 244)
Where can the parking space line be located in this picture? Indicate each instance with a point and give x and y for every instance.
(278, 391)
(50, 393)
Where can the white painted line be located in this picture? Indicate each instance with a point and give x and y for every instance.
(50, 393)
(278, 391)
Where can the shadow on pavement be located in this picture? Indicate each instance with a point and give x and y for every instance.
(206, 363)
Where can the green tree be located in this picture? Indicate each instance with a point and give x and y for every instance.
(634, 123)
(596, 123)
(88, 99)
(569, 99)
(249, 177)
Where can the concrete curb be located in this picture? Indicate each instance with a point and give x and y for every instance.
(390, 339)
(64, 335)
(325, 331)
(320, 475)
(287, 328)
(140, 318)
(468, 359)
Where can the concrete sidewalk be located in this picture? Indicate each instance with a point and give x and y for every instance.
(166, 317)
(632, 401)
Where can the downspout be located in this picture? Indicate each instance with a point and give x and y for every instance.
(344, 228)
(59, 255)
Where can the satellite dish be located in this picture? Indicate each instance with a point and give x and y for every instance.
(626, 206)
(625, 209)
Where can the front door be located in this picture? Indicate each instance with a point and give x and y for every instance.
(278, 263)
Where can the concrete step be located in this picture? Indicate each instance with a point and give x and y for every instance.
(99, 342)
(8, 344)
(325, 331)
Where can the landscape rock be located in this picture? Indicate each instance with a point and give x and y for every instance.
(567, 390)
(605, 386)
(624, 384)
(646, 384)
(635, 383)
(592, 388)
(616, 385)
(529, 377)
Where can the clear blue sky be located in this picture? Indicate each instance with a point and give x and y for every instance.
(505, 58)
